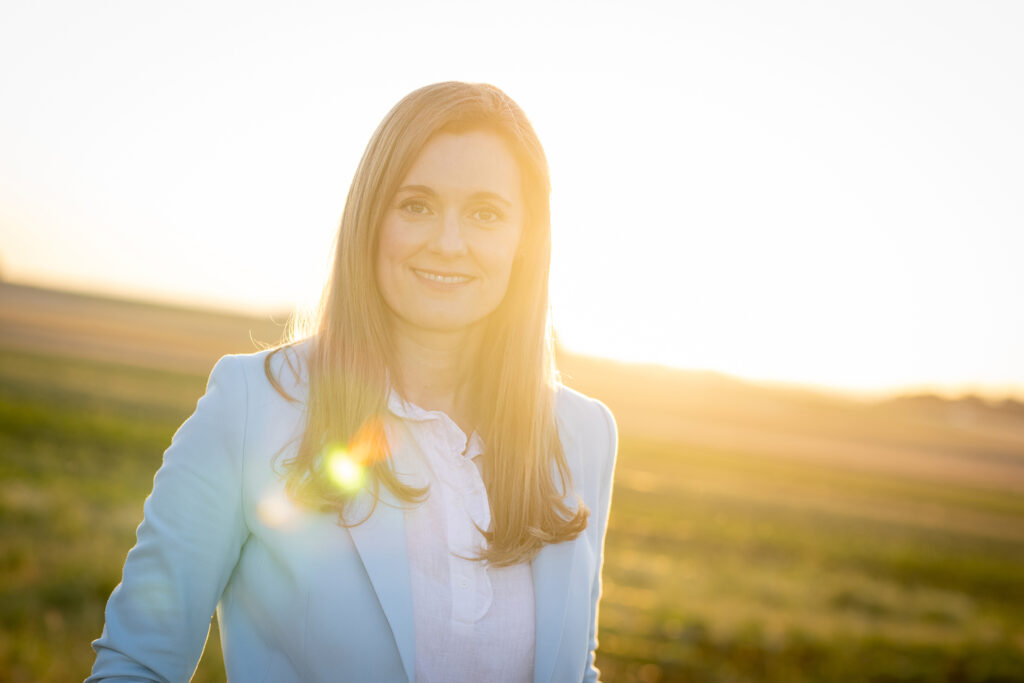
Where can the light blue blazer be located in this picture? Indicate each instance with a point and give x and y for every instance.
(298, 597)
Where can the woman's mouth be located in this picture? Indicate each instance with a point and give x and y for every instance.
(442, 278)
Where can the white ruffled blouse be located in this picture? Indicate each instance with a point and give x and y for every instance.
(473, 622)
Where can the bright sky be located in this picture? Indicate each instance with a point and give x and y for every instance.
(819, 193)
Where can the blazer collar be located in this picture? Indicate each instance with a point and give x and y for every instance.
(380, 541)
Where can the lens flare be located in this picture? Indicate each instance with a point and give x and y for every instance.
(347, 466)
(276, 510)
(344, 470)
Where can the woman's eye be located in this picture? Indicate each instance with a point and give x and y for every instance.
(418, 208)
(486, 215)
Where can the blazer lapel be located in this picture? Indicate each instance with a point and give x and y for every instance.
(551, 569)
(381, 544)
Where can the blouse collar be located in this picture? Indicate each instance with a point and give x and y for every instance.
(407, 410)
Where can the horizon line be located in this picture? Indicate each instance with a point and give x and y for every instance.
(1009, 392)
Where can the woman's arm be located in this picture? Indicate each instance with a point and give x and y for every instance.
(601, 519)
(158, 617)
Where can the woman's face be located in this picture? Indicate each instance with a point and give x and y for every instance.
(450, 234)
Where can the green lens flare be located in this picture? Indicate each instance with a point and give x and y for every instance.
(344, 470)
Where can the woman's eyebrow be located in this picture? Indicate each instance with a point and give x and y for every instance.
(492, 196)
(417, 189)
(476, 196)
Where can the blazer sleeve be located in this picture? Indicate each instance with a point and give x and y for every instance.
(158, 617)
(590, 672)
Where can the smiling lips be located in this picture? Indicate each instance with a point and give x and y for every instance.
(442, 278)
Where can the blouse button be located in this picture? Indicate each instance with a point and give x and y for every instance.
(463, 582)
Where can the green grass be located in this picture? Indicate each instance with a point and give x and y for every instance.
(786, 572)
(720, 565)
(79, 444)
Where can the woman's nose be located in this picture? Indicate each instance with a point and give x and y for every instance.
(448, 239)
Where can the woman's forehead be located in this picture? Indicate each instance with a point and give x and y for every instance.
(473, 162)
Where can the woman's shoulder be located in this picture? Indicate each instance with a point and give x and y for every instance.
(280, 370)
(586, 425)
(577, 409)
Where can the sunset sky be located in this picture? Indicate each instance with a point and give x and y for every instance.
(819, 193)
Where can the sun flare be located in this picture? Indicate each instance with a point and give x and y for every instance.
(344, 470)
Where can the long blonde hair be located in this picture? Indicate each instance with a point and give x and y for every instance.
(513, 380)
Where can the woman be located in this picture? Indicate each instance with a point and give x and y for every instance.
(325, 496)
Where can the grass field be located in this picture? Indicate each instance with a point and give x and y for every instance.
(757, 533)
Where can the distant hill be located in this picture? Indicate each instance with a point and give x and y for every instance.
(680, 406)
(930, 403)
(127, 331)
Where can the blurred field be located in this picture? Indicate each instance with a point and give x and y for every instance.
(757, 533)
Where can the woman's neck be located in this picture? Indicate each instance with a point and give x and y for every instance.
(432, 369)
